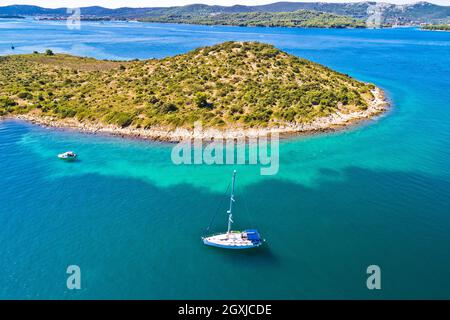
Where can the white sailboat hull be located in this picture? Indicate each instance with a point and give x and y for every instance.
(232, 240)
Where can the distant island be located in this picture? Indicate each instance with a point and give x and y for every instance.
(437, 27)
(236, 87)
(300, 18)
(387, 14)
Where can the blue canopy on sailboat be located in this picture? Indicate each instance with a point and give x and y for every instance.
(253, 235)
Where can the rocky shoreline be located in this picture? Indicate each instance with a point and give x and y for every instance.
(330, 123)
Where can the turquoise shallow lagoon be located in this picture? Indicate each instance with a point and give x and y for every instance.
(377, 194)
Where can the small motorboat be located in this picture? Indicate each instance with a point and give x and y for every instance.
(69, 156)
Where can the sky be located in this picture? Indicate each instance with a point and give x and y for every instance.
(168, 3)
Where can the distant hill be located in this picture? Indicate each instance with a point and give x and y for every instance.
(27, 10)
(421, 12)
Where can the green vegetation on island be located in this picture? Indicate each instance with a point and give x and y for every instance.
(233, 84)
(437, 27)
(300, 18)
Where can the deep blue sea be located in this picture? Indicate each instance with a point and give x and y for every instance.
(376, 194)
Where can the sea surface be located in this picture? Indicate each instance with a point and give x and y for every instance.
(376, 194)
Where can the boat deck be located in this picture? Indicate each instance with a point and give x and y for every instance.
(232, 240)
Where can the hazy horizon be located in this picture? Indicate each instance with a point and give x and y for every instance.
(155, 3)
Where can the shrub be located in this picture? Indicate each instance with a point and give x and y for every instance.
(170, 107)
(25, 95)
(201, 100)
(6, 102)
(122, 119)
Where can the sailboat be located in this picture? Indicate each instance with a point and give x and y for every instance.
(246, 239)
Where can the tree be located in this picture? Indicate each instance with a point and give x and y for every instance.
(49, 52)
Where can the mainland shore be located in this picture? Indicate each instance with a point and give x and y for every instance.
(335, 121)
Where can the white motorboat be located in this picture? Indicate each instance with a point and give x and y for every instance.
(69, 156)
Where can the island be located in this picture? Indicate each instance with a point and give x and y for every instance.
(236, 87)
(436, 27)
(300, 18)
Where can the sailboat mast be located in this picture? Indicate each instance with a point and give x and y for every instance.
(230, 212)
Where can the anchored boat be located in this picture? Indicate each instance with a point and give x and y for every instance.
(234, 239)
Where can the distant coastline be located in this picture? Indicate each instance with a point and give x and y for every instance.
(6, 16)
(436, 27)
(287, 14)
(296, 19)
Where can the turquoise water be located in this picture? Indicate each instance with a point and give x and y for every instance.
(132, 220)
